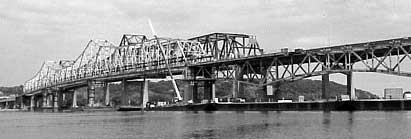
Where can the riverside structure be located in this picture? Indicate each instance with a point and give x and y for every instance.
(201, 61)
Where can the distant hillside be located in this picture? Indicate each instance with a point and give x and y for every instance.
(11, 90)
(311, 89)
(163, 91)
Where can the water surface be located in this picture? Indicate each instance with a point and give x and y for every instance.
(140, 125)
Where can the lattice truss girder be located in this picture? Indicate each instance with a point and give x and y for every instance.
(229, 46)
(102, 58)
(47, 73)
(390, 57)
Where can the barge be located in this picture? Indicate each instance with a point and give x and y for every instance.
(374, 105)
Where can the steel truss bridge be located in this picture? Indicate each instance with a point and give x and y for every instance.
(218, 56)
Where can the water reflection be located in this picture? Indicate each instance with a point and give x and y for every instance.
(350, 121)
(206, 125)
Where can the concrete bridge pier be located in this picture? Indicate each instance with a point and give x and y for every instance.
(191, 92)
(350, 86)
(188, 91)
(144, 93)
(32, 103)
(195, 95)
(39, 101)
(269, 91)
(91, 90)
(49, 98)
(56, 101)
(6, 105)
(44, 97)
(106, 88)
(124, 93)
(325, 80)
(276, 92)
(191, 89)
(22, 104)
(262, 97)
(209, 90)
(74, 103)
(237, 90)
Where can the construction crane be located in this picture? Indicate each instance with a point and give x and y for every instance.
(167, 64)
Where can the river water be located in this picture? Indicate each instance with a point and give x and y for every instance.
(169, 125)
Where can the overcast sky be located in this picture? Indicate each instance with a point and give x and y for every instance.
(34, 31)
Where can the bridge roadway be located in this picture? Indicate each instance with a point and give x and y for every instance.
(216, 56)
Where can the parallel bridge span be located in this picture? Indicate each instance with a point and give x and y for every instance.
(218, 56)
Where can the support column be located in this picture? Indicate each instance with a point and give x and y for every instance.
(350, 86)
(263, 97)
(91, 93)
(213, 92)
(49, 99)
(38, 101)
(32, 102)
(235, 88)
(236, 83)
(74, 105)
(325, 86)
(107, 93)
(63, 98)
(56, 100)
(269, 90)
(276, 93)
(208, 90)
(22, 106)
(144, 93)
(44, 99)
(15, 104)
(124, 92)
(195, 93)
(188, 92)
(60, 99)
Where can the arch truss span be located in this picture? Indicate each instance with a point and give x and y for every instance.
(135, 56)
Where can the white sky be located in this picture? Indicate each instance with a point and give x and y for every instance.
(34, 31)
